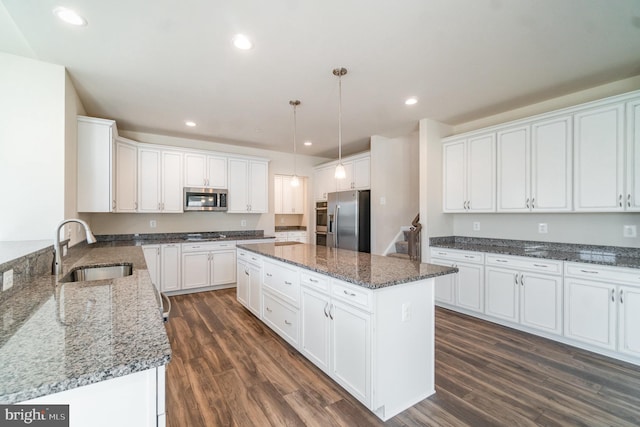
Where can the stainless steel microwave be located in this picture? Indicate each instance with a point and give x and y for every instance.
(205, 199)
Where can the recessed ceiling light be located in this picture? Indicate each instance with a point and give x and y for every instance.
(69, 16)
(308, 143)
(242, 42)
(411, 101)
(190, 123)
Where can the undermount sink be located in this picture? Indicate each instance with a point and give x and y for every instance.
(83, 274)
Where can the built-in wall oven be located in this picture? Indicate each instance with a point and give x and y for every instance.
(321, 223)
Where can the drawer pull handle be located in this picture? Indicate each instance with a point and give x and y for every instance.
(253, 258)
(246, 272)
(351, 294)
(242, 254)
(613, 295)
(269, 275)
(313, 280)
(287, 322)
(589, 271)
(268, 309)
(501, 260)
(442, 253)
(540, 265)
(621, 299)
(287, 283)
(469, 256)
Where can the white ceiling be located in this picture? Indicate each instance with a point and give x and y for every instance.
(151, 65)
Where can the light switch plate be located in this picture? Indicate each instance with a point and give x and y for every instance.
(476, 226)
(153, 223)
(629, 231)
(543, 228)
(243, 223)
(7, 280)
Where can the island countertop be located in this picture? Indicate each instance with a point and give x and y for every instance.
(57, 336)
(362, 269)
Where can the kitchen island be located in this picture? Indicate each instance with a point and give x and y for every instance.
(366, 320)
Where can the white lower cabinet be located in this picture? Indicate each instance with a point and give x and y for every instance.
(208, 264)
(466, 288)
(530, 298)
(163, 264)
(602, 307)
(152, 258)
(249, 278)
(281, 299)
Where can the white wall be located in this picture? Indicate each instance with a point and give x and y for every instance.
(280, 163)
(32, 144)
(395, 177)
(597, 228)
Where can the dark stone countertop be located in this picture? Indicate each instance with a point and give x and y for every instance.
(362, 269)
(611, 256)
(57, 336)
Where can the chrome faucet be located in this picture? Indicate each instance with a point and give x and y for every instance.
(57, 263)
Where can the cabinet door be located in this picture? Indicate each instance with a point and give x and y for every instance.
(172, 182)
(362, 173)
(170, 278)
(444, 290)
(126, 177)
(541, 302)
(242, 283)
(223, 267)
(351, 349)
(598, 159)
(633, 156)
(590, 312)
(95, 165)
(278, 195)
(255, 289)
(195, 170)
(454, 177)
(502, 293)
(551, 165)
(513, 170)
(195, 270)
(481, 174)
(152, 258)
(325, 182)
(315, 328)
(297, 197)
(629, 322)
(258, 187)
(148, 180)
(470, 287)
(216, 172)
(238, 199)
(347, 183)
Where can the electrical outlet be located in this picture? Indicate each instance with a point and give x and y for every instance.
(629, 231)
(406, 311)
(153, 223)
(7, 280)
(476, 226)
(243, 223)
(543, 228)
(383, 200)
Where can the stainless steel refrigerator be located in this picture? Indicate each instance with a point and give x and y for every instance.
(349, 219)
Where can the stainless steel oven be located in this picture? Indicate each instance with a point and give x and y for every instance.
(321, 217)
(321, 239)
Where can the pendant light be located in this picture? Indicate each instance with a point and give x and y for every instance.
(295, 181)
(340, 172)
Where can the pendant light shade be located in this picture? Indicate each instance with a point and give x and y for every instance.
(295, 181)
(340, 172)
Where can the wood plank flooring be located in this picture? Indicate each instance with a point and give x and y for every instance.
(229, 369)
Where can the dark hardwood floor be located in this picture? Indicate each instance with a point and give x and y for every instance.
(229, 369)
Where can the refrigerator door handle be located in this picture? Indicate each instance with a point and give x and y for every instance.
(336, 231)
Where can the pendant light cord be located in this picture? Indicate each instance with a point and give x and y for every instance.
(340, 118)
(295, 131)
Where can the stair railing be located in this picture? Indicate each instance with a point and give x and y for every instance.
(414, 239)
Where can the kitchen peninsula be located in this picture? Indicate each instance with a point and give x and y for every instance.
(366, 320)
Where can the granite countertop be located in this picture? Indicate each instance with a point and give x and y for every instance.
(57, 336)
(280, 228)
(603, 255)
(168, 238)
(363, 269)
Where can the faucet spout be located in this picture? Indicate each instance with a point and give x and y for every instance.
(57, 264)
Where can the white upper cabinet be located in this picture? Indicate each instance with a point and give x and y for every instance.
(632, 198)
(469, 174)
(325, 182)
(126, 197)
(248, 186)
(202, 170)
(357, 176)
(288, 199)
(599, 159)
(534, 167)
(159, 181)
(95, 164)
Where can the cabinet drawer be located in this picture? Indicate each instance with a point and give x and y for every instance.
(318, 282)
(524, 263)
(207, 246)
(248, 256)
(281, 318)
(453, 254)
(603, 273)
(358, 297)
(283, 281)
